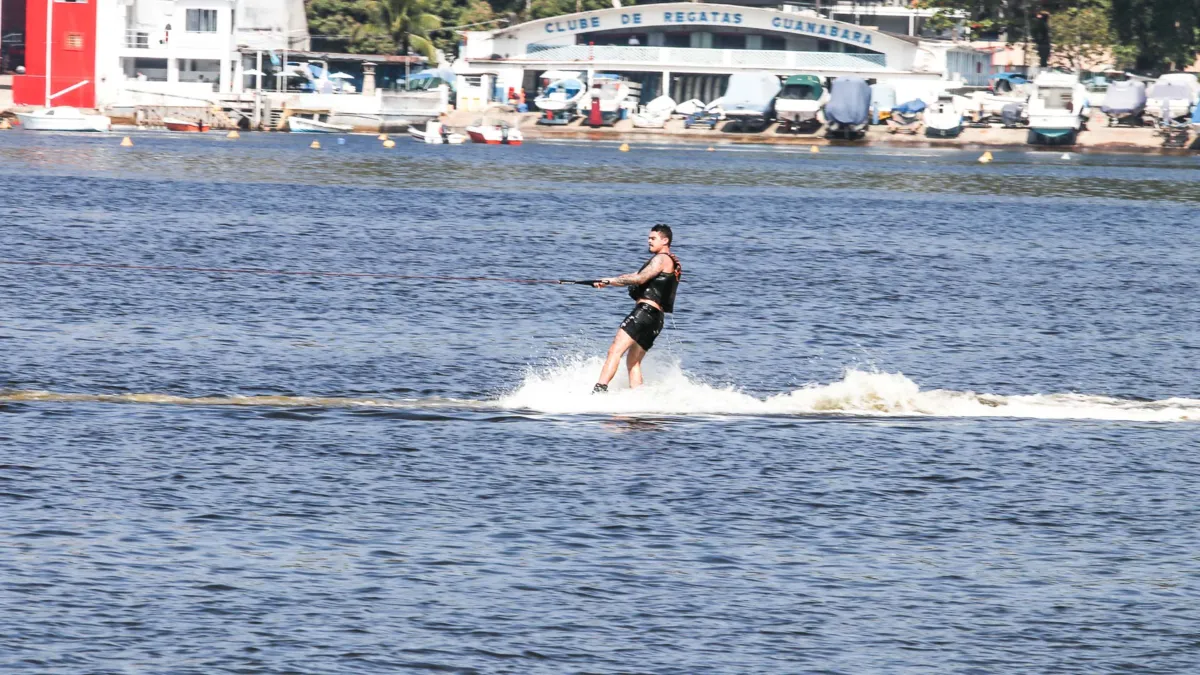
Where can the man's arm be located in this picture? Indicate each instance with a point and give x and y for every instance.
(636, 278)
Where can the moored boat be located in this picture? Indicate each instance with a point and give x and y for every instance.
(1125, 103)
(943, 119)
(849, 108)
(798, 106)
(64, 118)
(494, 133)
(749, 99)
(1173, 96)
(436, 133)
(308, 125)
(1057, 104)
(176, 124)
(559, 100)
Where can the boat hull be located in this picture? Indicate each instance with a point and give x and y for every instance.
(436, 138)
(186, 126)
(494, 136)
(300, 125)
(88, 123)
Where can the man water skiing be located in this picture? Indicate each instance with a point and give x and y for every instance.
(653, 288)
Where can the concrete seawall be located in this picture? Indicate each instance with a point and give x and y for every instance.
(1097, 137)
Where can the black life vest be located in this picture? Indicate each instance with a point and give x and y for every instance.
(660, 289)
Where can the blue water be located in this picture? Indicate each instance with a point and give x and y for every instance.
(217, 472)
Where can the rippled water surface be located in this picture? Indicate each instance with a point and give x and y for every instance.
(914, 414)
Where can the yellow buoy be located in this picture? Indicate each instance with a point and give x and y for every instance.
(383, 137)
(813, 148)
(126, 142)
(389, 143)
(315, 145)
(624, 147)
(985, 158)
(233, 134)
(4, 124)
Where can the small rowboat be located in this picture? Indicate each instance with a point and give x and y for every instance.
(176, 124)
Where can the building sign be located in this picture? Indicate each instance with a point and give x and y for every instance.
(768, 21)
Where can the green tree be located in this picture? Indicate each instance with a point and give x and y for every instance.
(1161, 32)
(409, 23)
(1081, 36)
(347, 25)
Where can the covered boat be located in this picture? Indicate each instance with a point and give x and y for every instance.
(750, 98)
(1057, 104)
(799, 103)
(63, 118)
(654, 115)
(1175, 94)
(907, 117)
(612, 94)
(883, 99)
(849, 107)
(1125, 102)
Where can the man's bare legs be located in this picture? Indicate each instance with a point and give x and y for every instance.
(633, 359)
(621, 344)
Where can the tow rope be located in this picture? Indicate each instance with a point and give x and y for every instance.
(296, 273)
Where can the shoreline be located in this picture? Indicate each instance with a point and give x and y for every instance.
(1096, 138)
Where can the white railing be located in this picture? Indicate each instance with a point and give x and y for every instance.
(141, 39)
(688, 56)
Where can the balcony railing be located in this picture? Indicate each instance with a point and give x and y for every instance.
(140, 39)
(692, 57)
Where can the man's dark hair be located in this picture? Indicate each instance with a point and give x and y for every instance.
(665, 230)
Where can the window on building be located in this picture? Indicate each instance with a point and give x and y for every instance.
(729, 41)
(774, 42)
(202, 21)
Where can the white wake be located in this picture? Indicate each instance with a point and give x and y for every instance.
(566, 389)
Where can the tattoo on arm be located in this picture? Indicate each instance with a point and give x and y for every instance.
(638, 278)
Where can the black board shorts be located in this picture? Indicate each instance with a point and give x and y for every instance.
(643, 324)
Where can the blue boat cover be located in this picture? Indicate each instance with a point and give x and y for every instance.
(850, 101)
(750, 92)
(911, 107)
(1124, 98)
(1196, 115)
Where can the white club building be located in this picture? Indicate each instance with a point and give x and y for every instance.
(688, 50)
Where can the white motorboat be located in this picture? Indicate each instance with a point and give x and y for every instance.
(1176, 93)
(436, 133)
(312, 125)
(654, 115)
(561, 95)
(943, 119)
(64, 118)
(494, 133)
(799, 103)
(614, 95)
(1057, 104)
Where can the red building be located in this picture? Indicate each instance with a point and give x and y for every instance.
(71, 34)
